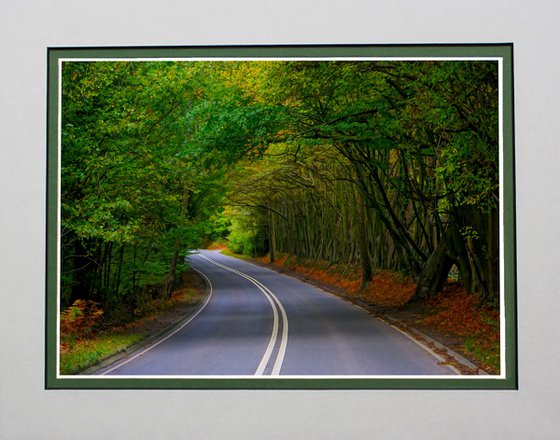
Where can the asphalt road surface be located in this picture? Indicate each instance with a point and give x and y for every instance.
(257, 322)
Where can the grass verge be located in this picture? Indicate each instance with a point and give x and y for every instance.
(77, 354)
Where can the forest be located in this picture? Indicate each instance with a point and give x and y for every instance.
(381, 165)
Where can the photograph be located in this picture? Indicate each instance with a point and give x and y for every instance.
(279, 220)
(329, 218)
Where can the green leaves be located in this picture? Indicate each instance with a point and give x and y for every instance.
(147, 149)
(418, 140)
(124, 172)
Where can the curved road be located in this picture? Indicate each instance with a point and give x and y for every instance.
(259, 322)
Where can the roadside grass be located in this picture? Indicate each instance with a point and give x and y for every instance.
(84, 347)
(77, 354)
(451, 314)
(487, 352)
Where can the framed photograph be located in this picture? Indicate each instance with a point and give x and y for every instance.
(281, 217)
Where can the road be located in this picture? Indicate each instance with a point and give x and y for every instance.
(257, 322)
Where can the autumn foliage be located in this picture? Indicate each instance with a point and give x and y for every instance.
(460, 313)
(80, 317)
(342, 276)
(388, 288)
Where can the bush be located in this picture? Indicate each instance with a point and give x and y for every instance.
(241, 242)
(80, 317)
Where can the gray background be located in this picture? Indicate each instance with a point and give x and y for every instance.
(28, 412)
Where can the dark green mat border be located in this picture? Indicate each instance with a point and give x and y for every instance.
(498, 50)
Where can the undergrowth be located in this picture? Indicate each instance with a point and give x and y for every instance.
(77, 354)
(85, 340)
(459, 313)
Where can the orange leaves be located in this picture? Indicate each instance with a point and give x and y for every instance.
(64, 347)
(389, 289)
(216, 246)
(338, 275)
(329, 276)
(458, 312)
(80, 317)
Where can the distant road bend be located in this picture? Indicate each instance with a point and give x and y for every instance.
(262, 323)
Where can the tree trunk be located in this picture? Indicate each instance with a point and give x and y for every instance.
(434, 275)
(81, 273)
(493, 262)
(367, 274)
(117, 283)
(272, 238)
(172, 274)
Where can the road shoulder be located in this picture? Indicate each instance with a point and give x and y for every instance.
(403, 319)
(160, 327)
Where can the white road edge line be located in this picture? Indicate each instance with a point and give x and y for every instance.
(206, 301)
(274, 303)
(428, 349)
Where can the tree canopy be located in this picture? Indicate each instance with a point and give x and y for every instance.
(383, 164)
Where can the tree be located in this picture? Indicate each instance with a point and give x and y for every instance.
(421, 141)
(383, 164)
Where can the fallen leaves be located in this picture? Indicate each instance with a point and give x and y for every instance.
(459, 313)
(389, 289)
